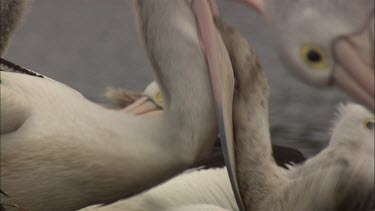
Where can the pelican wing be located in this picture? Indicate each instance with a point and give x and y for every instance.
(7, 66)
(14, 107)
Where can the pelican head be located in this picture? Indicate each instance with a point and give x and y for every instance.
(325, 42)
(354, 125)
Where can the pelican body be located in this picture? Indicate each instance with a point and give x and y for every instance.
(60, 151)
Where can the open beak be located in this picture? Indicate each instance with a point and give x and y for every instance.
(144, 106)
(354, 68)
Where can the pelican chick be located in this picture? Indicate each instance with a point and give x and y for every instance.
(341, 177)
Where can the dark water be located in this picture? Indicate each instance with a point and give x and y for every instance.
(92, 44)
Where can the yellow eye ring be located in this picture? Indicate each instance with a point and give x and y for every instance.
(369, 124)
(159, 98)
(314, 57)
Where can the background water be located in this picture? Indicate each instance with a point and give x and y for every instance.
(92, 44)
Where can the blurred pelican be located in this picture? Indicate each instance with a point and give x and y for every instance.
(325, 42)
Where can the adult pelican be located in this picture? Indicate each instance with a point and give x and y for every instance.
(325, 42)
(60, 151)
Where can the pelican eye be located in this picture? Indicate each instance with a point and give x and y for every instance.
(370, 124)
(314, 57)
(159, 98)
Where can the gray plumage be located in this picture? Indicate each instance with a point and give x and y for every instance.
(11, 13)
(341, 177)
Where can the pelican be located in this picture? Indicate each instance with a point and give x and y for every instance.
(60, 151)
(325, 42)
(341, 177)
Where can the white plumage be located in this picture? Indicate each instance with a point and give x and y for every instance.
(60, 151)
(210, 187)
(346, 162)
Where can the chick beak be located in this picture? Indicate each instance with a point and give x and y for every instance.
(143, 106)
(354, 68)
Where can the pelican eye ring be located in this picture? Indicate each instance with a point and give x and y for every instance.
(314, 57)
(370, 124)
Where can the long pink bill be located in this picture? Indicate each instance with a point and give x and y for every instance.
(222, 81)
(354, 69)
